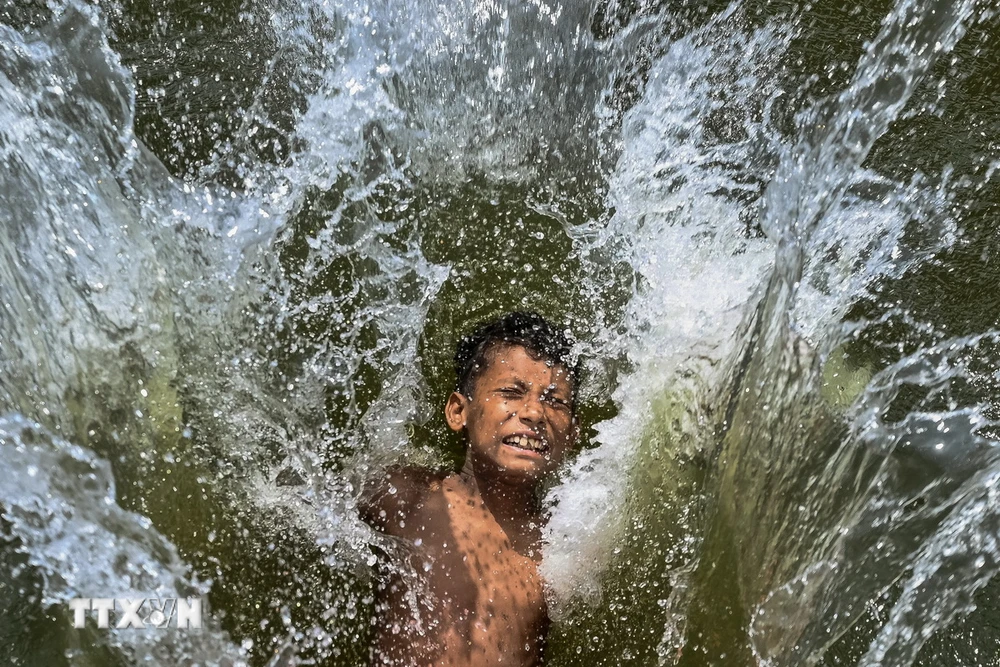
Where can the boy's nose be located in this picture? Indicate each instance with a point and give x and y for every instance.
(531, 410)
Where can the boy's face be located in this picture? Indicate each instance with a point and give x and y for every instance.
(519, 422)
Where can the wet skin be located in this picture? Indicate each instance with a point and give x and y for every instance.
(471, 539)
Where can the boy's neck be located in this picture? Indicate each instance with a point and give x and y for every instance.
(514, 506)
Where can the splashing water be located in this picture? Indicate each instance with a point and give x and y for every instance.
(62, 511)
(792, 384)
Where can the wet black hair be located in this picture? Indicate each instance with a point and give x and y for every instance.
(534, 333)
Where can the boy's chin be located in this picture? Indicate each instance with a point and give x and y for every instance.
(515, 468)
(528, 472)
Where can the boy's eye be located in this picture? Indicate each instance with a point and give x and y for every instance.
(557, 402)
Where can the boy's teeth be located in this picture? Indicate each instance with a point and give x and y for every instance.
(525, 443)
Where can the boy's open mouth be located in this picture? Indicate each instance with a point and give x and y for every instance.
(527, 443)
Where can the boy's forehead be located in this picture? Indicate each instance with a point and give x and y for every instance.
(516, 360)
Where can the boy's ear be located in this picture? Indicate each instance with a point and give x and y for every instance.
(454, 410)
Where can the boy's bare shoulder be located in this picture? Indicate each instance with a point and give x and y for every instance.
(397, 495)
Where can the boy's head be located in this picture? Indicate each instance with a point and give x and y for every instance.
(535, 334)
(515, 397)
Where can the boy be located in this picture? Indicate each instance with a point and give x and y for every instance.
(473, 537)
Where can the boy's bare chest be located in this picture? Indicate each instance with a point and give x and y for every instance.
(475, 571)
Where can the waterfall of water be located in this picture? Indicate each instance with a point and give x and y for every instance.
(783, 298)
